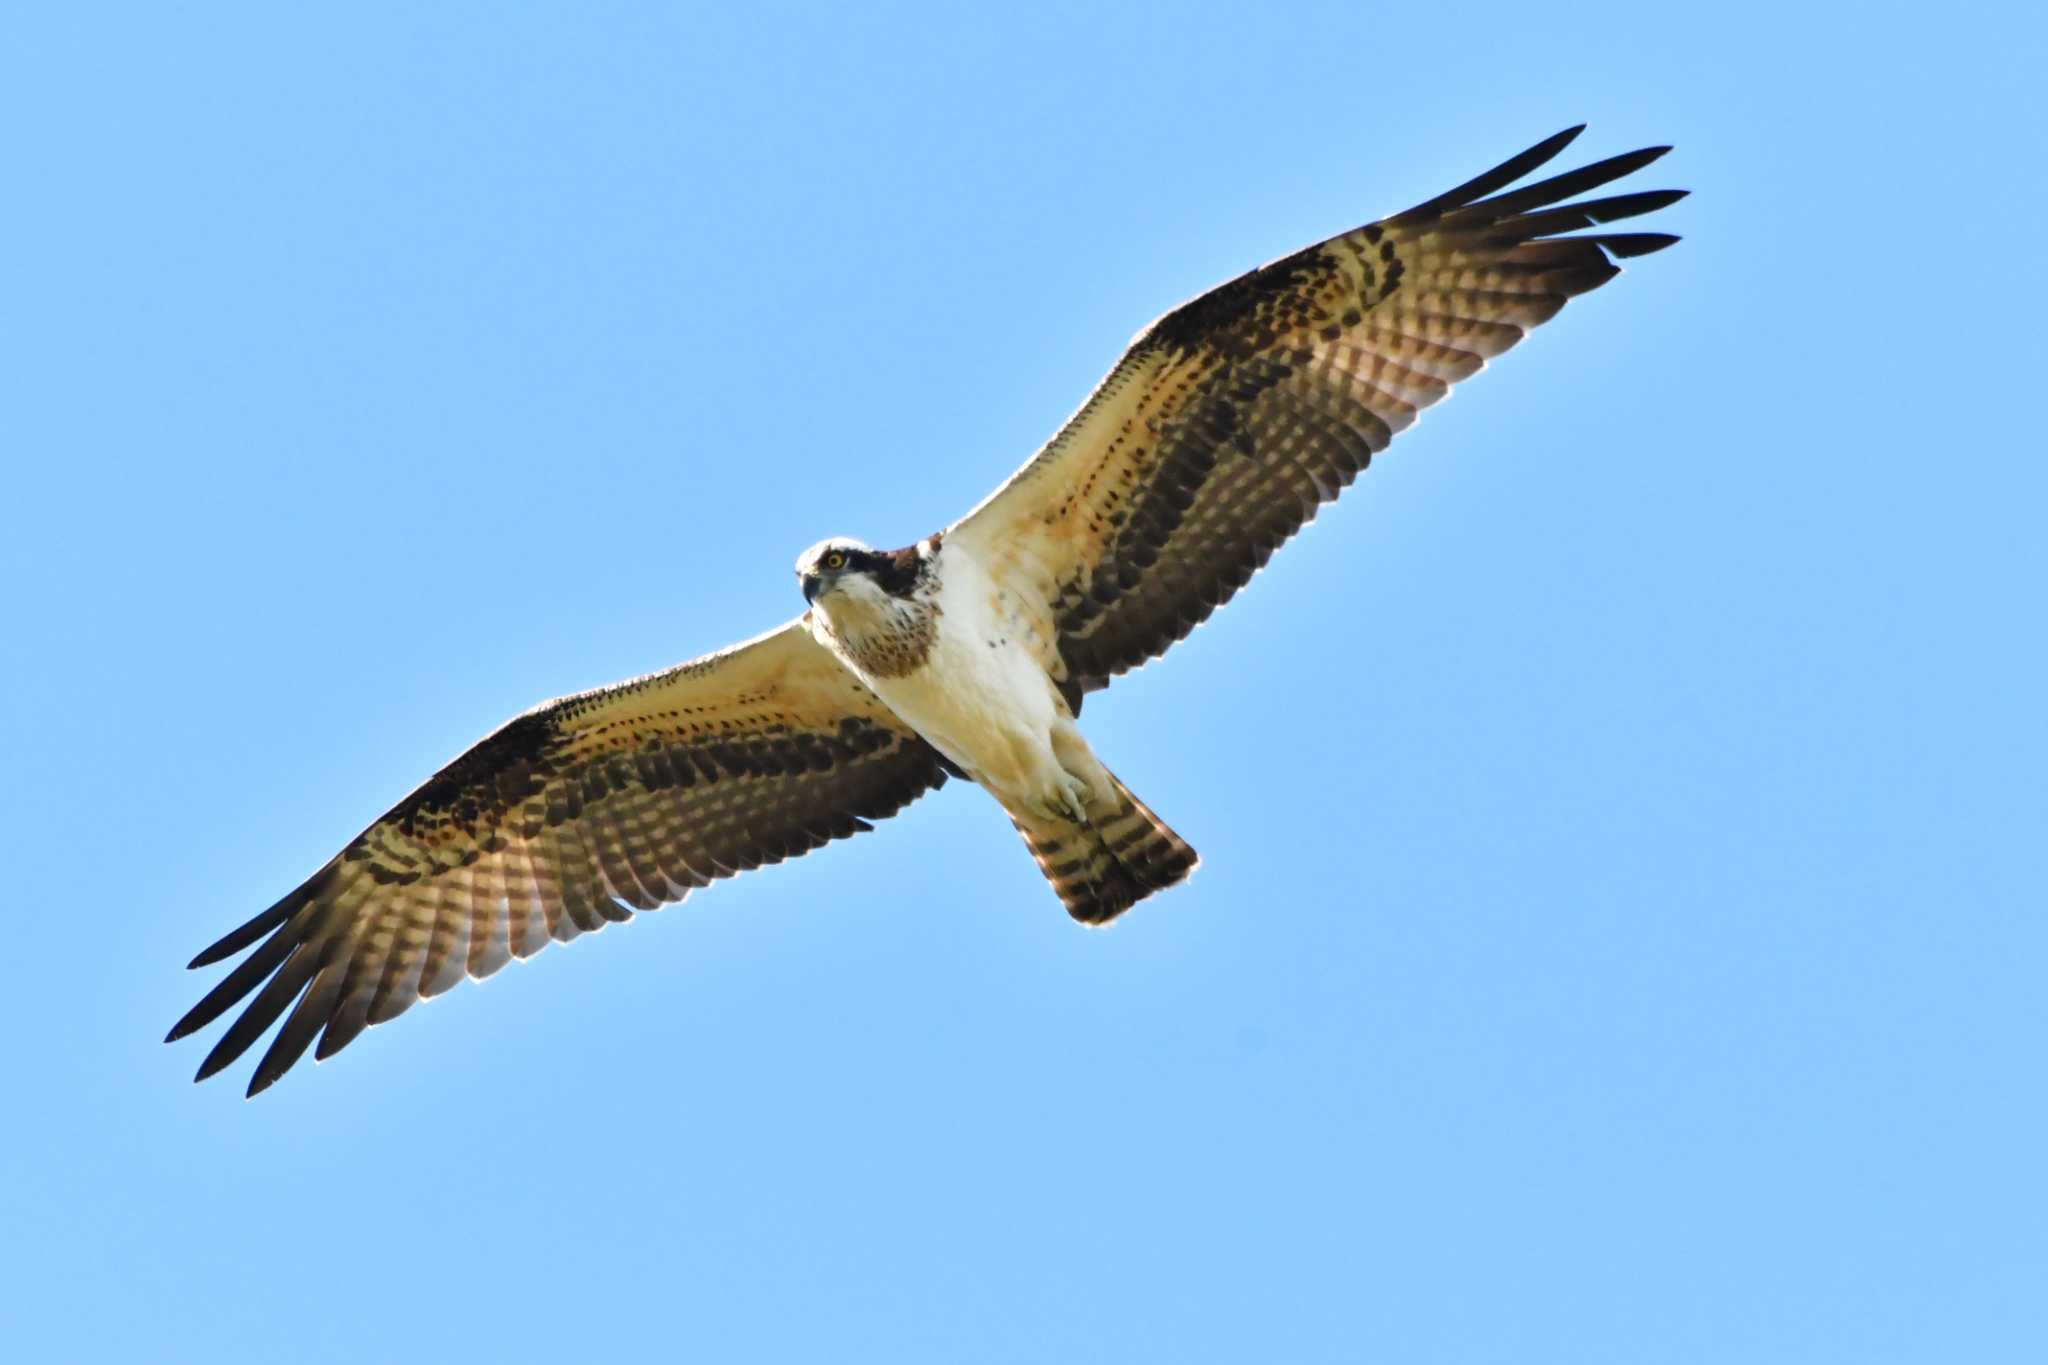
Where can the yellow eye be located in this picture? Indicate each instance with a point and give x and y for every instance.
(835, 560)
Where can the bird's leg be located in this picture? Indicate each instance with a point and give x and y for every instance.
(1072, 758)
(1058, 794)
(1078, 796)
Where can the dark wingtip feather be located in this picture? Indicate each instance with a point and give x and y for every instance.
(246, 977)
(1632, 205)
(313, 1011)
(1627, 244)
(1584, 280)
(242, 936)
(1549, 147)
(346, 1025)
(287, 982)
(237, 939)
(1552, 222)
(1628, 205)
(1557, 188)
(1501, 176)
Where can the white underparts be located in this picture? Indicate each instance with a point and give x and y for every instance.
(979, 693)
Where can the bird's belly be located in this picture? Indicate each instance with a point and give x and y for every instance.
(985, 703)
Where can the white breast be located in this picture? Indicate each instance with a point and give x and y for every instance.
(981, 697)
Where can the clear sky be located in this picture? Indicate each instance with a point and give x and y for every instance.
(1621, 933)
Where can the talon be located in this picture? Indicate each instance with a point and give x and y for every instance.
(1078, 794)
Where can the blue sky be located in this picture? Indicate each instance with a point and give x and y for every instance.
(1620, 934)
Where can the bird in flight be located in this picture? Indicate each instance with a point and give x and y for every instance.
(1223, 428)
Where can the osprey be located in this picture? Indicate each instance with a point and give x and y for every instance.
(1223, 428)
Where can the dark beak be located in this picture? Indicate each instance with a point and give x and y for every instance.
(811, 587)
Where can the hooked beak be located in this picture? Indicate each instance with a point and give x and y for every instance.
(812, 586)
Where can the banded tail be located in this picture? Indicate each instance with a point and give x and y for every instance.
(1103, 868)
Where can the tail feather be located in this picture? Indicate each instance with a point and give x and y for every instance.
(1103, 868)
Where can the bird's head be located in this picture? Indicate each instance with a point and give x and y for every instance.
(842, 572)
(834, 564)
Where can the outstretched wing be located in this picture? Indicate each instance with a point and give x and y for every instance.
(636, 793)
(1234, 417)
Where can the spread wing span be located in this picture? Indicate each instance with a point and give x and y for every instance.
(1230, 420)
(631, 795)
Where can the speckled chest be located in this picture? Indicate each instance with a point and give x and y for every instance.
(887, 636)
(897, 645)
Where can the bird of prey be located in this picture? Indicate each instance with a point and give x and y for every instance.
(1222, 429)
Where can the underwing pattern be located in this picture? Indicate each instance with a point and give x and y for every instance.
(1233, 418)
(567, 819)
(1223, 429)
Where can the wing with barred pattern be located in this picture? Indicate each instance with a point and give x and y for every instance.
(555, 824)
(1233, 418)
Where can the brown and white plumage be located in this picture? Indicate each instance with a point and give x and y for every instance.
(551, 826)
(1231, 419)
(1224, 427)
